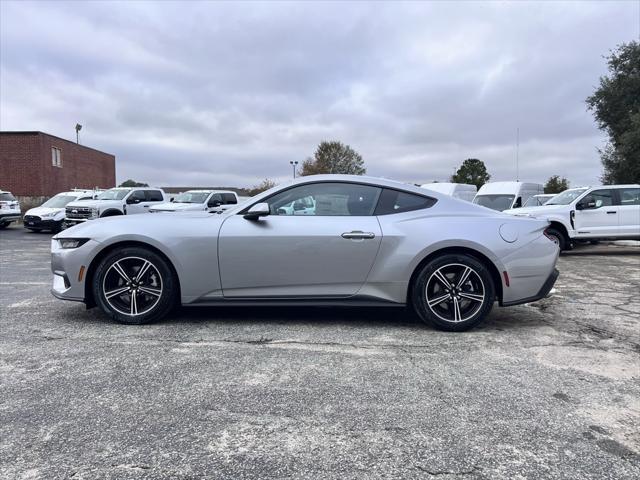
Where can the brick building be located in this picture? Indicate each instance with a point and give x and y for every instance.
(36, 164)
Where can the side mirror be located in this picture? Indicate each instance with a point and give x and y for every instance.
(172, 199)
(257, 211)
(133, 200)
(579, 206)
(214, 204)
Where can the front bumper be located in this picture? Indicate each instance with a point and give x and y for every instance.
(42, 224)
(66, 265)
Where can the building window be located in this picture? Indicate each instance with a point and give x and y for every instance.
(56, 157)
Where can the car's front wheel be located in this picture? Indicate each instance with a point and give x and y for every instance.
(453, 292)
(135, 285)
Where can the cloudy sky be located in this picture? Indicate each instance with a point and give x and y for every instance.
(205, 93)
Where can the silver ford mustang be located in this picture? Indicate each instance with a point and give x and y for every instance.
(319, 240)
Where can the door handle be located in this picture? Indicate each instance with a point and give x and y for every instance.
(358, 235)
(145, 206)
(608, 213)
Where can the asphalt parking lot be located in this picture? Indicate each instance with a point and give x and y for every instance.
(547, 390)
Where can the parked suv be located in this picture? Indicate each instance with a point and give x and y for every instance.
(209, 200)
(50, 215)
(116, 201)
(9, 209)
(610, 212)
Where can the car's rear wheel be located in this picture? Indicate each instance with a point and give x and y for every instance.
(135, 285)
(453, 292)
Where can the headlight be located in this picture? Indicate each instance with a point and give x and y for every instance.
(47, 215)
(72, 242)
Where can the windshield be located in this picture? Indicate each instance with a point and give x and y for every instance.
(566, 197)
(59, 201)
(113, 194)
(494, 202)
(191, 197)
(536, 201)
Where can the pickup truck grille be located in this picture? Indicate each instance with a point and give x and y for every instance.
(80, 213)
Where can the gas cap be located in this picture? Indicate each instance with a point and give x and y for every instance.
(508, 232)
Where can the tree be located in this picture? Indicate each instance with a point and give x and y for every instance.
(266, 184)
(473, 172)
(133, 183)
(616, 107)
(555, 184)
(333, 157)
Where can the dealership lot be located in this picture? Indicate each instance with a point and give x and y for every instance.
(549, 389)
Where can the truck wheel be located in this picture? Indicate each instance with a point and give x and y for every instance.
(558, 237)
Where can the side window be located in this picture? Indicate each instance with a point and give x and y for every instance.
(394, 201)
(629, 196)
(229, 198)
(601, 198)
(154, 196)
(136, 197)
(215, 200)
(326, 199)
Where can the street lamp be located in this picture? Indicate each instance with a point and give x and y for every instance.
(78, 128)
(294, 164)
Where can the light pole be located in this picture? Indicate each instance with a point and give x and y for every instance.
(294, 164)
(78, 128)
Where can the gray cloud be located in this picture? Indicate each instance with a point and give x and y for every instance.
(227, 93)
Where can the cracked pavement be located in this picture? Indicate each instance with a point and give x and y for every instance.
(547, 390)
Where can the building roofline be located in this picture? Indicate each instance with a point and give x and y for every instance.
(38, 132)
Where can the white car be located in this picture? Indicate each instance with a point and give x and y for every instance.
(50, 215)
(461, 191)
(9, 209)
(112, 202)
(505, 195)
(610, 212)
(198, 200)
(538, 200)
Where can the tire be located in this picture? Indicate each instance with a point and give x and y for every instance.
(155, 292)
(429, 287)
(559, 237)
(3, 225)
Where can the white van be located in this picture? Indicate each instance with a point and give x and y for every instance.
(505, 195)
(461, 191)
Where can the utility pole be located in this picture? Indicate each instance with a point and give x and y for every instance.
(78, 128)
(294, 164)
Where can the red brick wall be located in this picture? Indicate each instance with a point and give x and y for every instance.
(26, 168)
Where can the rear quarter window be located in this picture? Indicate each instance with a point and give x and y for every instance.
(154, 196)
(395, 201)
(229, 198)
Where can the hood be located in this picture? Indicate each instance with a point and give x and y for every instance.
(91, 203)
(533, 211)
(39, 211)
(175, 207)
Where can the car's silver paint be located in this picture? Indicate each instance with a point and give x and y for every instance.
(225, 256)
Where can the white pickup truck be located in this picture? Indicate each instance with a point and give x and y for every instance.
(207, 200)
(115, 201)
(610, 212)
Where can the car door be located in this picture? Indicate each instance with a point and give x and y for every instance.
(598, 216)
(136, 202)
(629, 212)
(328, 253)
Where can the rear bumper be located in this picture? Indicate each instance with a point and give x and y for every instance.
(9, 217)
(544, 291)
